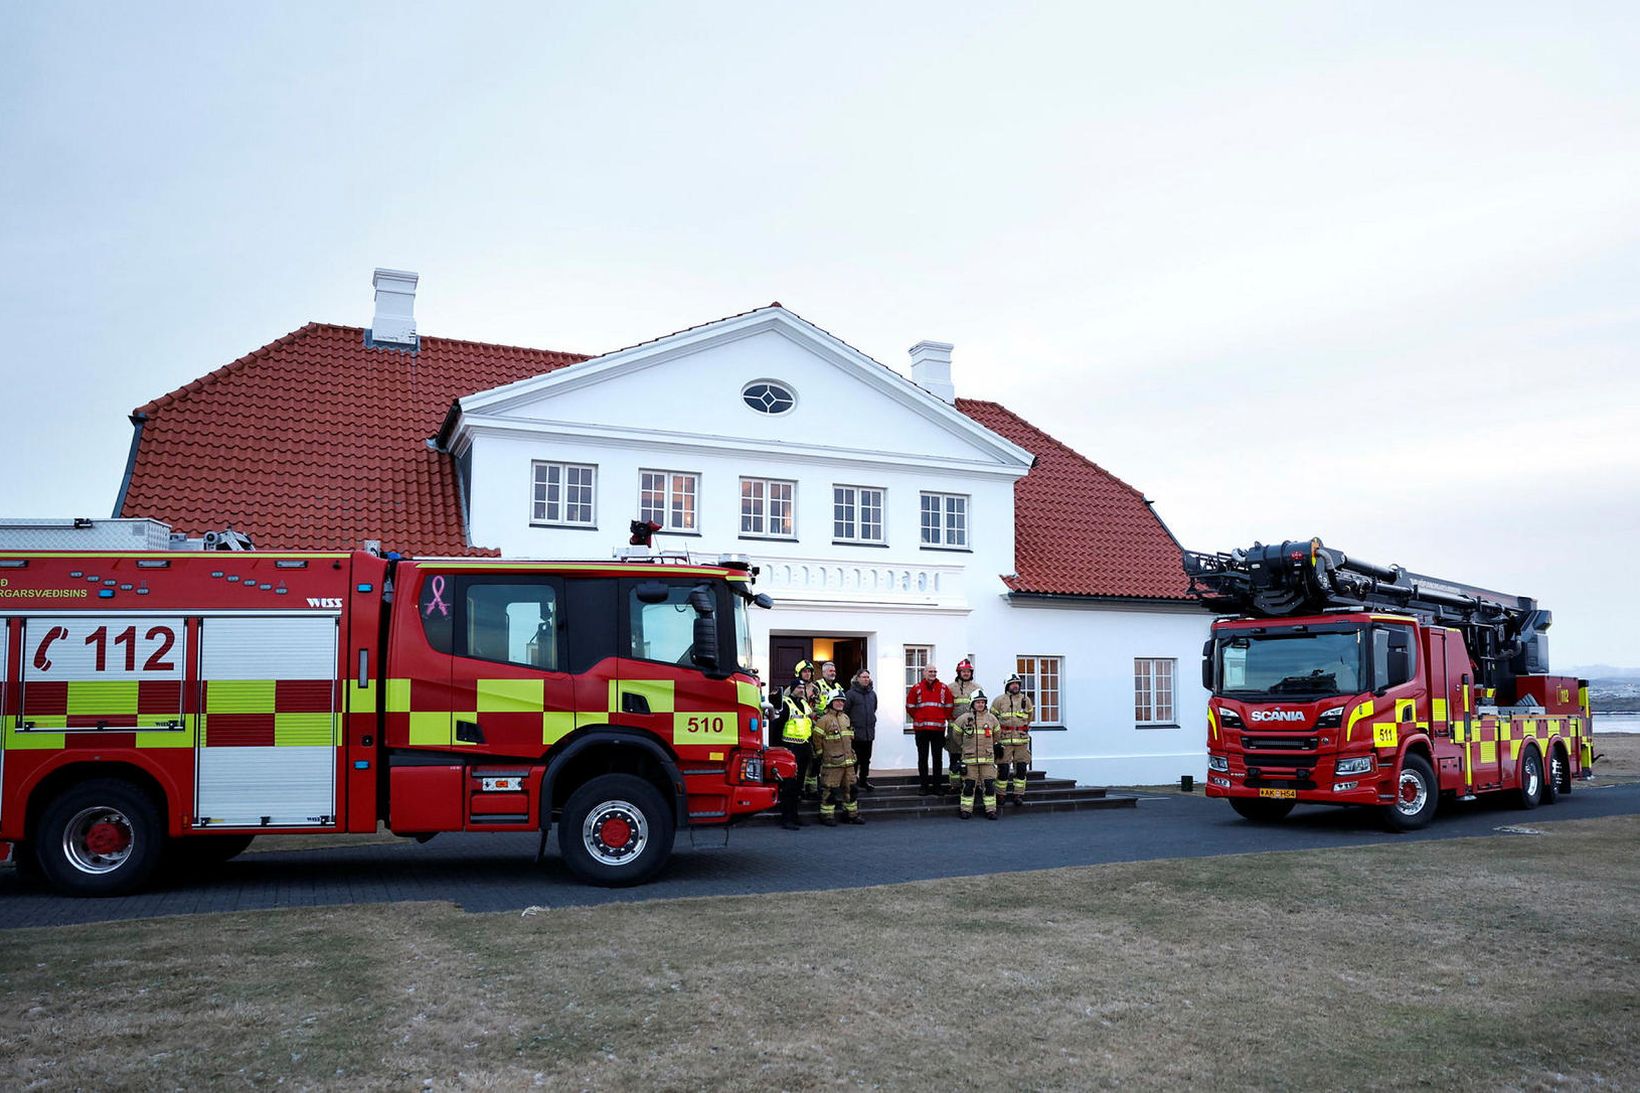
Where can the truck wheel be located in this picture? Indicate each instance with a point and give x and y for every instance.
(1259, 810)
(99, 838)
(615, 831)
(1416, 797)
(204, 851)
(1531, 778)
(1556, 782)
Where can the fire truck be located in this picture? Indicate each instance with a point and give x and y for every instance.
(1337, 681)
(171, 705)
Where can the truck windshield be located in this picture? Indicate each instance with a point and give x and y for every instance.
(1291, 664)
(743, 635)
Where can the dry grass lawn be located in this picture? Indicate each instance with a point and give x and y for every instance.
(1508, 962)
(1619, 754)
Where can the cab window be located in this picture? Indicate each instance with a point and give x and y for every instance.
(1392, 657)
(515, 622)
(663, 631)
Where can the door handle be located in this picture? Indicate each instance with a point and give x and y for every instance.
(1406, 713)
(633, 703)
(468, 732)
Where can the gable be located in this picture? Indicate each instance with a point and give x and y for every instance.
(687, 389)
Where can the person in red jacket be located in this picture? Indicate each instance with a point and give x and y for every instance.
(927, 711)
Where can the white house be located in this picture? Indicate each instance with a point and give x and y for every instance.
(881, 510)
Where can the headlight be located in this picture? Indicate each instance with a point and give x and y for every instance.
(1217, 762)
(1362, 764)
(1229, 717)
(1330, 719)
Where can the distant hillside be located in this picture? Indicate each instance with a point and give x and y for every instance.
(1593, 672)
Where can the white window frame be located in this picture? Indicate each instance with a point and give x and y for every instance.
(856, 521)
(669, 498)
(763, 518)
(1150, 683)
(947, 539)
(917, 657)
(542, 505)
(1029, 668)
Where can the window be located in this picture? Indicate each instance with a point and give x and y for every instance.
(917, 657)
(563, 494)
(1153, 691)
(1041, 676)
(514, 623)
(857, 514)
(768, 396)
(766, 508)
(668, 498)
(945, 520)
(663, 631)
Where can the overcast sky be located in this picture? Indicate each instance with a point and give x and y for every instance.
(1370, 272)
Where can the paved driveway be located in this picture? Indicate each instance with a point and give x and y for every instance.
(496, 872)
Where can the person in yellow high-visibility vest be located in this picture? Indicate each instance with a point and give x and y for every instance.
(1014, 712)
(796, 734)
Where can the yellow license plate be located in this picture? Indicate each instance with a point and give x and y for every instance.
(1284, 794)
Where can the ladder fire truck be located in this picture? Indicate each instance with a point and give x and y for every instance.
(172, 705)
(1337, 681)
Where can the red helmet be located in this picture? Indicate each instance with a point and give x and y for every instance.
(965, 663)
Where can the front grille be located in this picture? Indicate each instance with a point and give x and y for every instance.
(1285, 762)
(1280, 743)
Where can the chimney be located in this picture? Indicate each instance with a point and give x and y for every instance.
(395, 321)
(931, 369)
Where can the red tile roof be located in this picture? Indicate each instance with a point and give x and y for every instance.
(1078, 529)
(317, 441)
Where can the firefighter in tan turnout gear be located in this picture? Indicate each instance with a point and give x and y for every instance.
(1014, 712)
(834, 751)
(963, 689)
(976, 733)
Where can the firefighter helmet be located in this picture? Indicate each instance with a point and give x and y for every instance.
(965, 663)
(803, 666)
(978, 697)
(836, 697)
(1013, 679)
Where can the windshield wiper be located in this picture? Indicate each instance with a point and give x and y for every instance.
(1314, 683)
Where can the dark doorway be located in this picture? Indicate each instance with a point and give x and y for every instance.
(850, 655)
(784, 653)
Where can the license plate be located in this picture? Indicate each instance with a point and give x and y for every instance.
(1283, 794)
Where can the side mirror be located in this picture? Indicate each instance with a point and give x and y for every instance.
(1207, 664)
(705, 650)
(1400, 665)
(653, 592)
(763, 600)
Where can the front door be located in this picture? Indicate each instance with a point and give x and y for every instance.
(784, 653)
(512, 693)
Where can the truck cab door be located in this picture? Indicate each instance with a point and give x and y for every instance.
(510, 688)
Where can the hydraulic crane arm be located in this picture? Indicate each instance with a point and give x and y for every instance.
(1505, 634)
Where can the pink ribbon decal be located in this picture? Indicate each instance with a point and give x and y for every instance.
(438, 598)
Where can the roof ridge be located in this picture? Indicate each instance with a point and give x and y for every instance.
(153, 406)
(1078, 456)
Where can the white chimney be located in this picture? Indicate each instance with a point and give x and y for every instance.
(395, 321)
(931, 369)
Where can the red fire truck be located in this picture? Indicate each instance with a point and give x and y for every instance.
(1338, 681)
(170, 704)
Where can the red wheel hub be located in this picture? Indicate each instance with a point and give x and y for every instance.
(615, 833)
(106, 837)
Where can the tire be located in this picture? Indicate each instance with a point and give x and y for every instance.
(1261, 810)
(100, 838)
(1559, 778)
(1530, 790)
(1417, 796)
(616, 831)
(205, 851)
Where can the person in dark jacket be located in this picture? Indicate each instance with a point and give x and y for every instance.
(862, 714)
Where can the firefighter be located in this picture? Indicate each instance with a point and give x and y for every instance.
(829, 684)
(802, 675)
(928, 714)
(976, 736)
(963, 689)
(1014, 712)
(834, 752)
(795, 734)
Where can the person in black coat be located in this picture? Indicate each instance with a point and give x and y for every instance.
(861, 699)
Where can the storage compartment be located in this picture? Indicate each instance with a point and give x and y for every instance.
(426, 799)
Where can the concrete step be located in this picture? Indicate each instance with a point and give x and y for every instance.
(896, 797)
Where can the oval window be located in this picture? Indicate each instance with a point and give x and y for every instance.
(768, 397)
